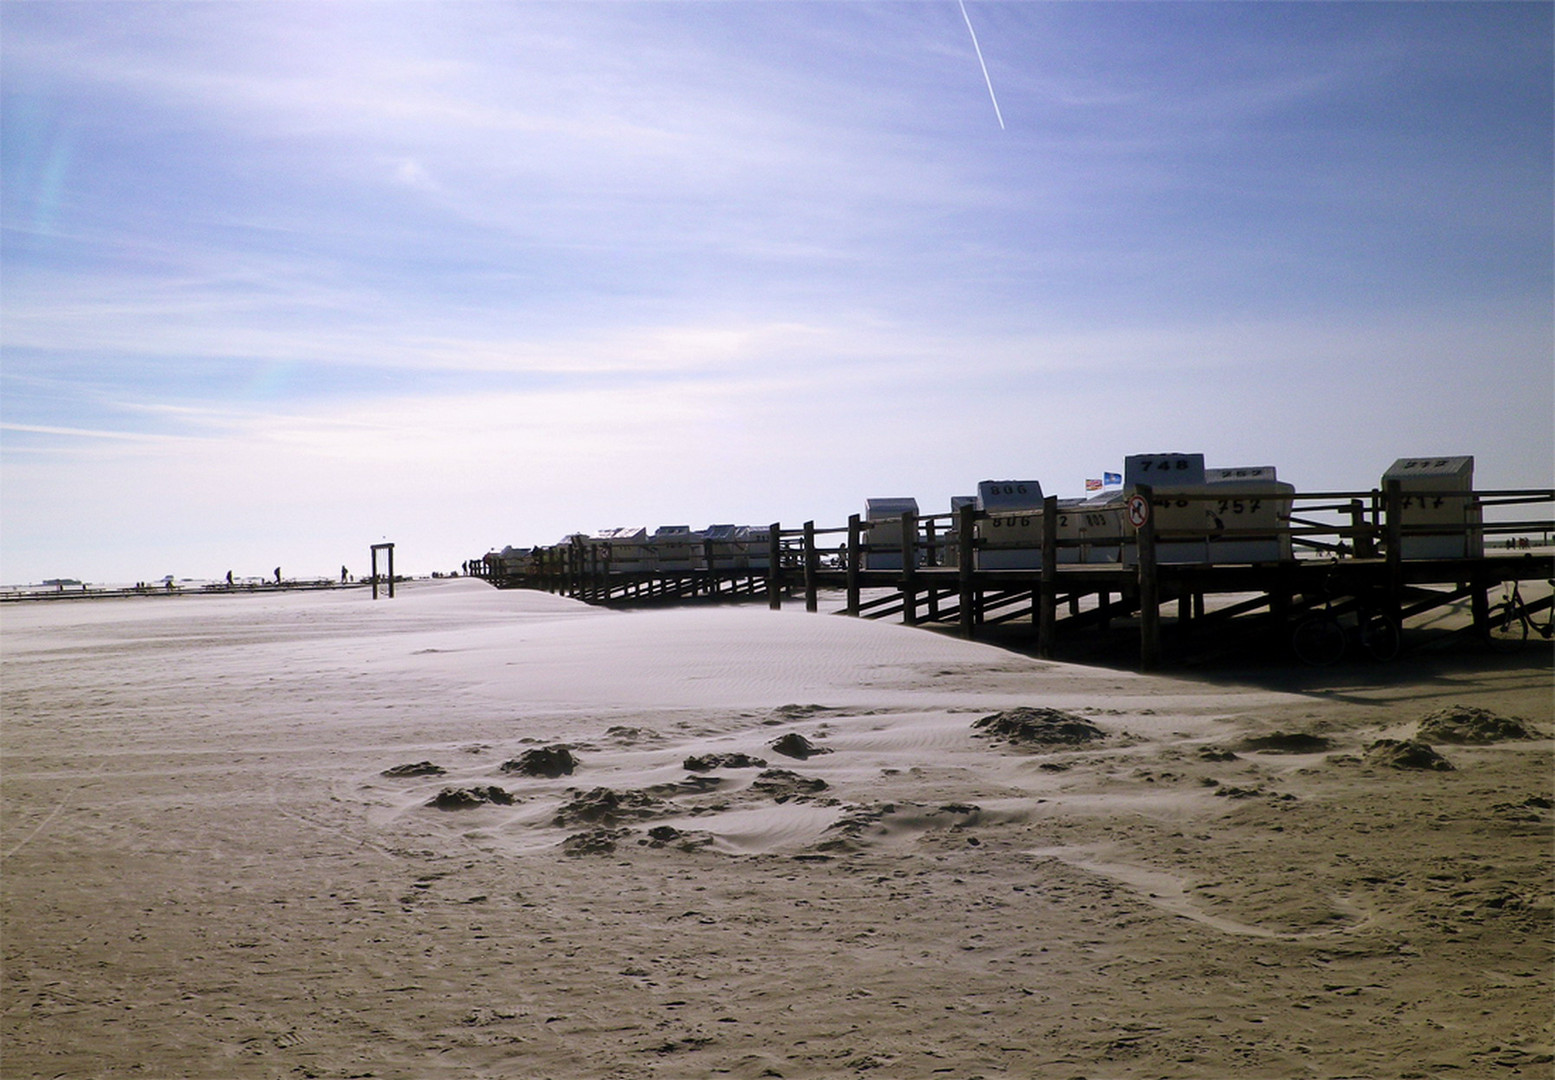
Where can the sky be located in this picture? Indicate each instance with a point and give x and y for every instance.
(282, 280)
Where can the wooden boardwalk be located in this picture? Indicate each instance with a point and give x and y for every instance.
(1361, 560)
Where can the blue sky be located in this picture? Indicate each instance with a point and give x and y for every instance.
(281, 280)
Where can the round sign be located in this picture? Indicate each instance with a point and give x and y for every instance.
(1138, 511)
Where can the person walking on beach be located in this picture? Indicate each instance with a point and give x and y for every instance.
(277, 575)
(229, 579)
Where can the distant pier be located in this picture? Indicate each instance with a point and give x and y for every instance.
(1188, 569)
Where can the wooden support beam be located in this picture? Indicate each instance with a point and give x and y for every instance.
(855, 526)
(812, 567)
(910, 568)
(1047, 622)
(931, 558)
(1365, 545)
(966, 532)
(1393, 508)
(775, 566)
(1479, 604)
(1149, 587)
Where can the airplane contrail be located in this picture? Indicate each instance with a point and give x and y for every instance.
(979, 50)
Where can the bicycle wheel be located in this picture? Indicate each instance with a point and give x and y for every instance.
(1318, 640)
(1508, 625)
(1380, 636)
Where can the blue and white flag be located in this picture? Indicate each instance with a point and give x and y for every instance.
(1112, 479)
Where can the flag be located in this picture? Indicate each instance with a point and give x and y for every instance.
(1112, 479)
(1093, 485)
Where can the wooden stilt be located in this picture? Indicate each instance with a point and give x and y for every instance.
(1047, 622)
(1149, 587)
(910, 568)
(811, 568)
(852, 569)
(775, 567)
(966, 532)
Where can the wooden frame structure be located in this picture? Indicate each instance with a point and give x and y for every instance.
(1347, 556)
(390, 549)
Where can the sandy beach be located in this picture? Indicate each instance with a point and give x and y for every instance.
(316, 836)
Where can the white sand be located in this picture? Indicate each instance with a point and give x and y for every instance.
(207, 875)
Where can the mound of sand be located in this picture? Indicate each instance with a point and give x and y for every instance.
(1047, 726)
(666, 835)
(1406, 754)
(708, 762)
(628, 735)
(418, 768)
(451, 798)
(795, 745)
(602, 806)
(549, 761)
(594, 841)
(1288, 742)
(690, 785)
(783, 785)
(1470, 724)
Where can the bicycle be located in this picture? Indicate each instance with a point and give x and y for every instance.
(1512, 620)
(1322, 637)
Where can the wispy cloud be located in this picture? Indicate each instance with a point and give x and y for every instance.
(593, 259)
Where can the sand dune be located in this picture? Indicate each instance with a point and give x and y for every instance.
(222, 857)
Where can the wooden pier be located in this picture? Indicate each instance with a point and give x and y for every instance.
(1353, 560)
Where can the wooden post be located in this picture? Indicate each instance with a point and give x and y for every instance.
(965, 533)
(1365, 545)
(1280, 606)
(1047, 623)
(931, 558)
(1479, 604)
(853, 563)
(1149, 587)
(775, 567)
(910, 568)
(375, 572)
(811, 568)
(1393, 507)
